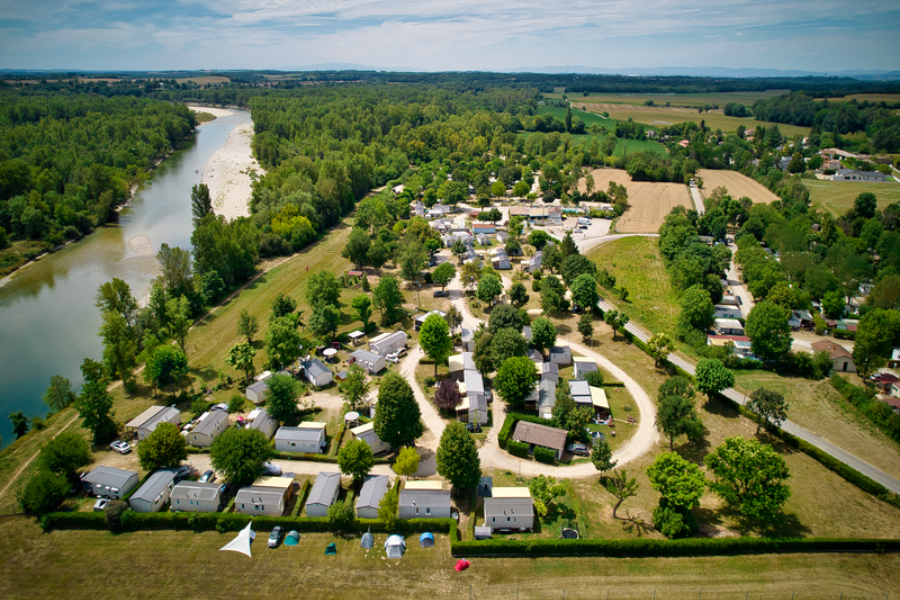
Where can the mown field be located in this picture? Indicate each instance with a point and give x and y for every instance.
(648, 203)
(737, 184)
(713, 99)
(661, 116)
(869, 97)
(622, 146)
(203, 80)
(165, 563)
(837, 197)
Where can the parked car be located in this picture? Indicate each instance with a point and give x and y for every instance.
(392, 359)
(275, 536)
(121, 447)
(440, 294)
(579, 449)
(271, 468)
(101, 504)
(220, 406)
(473, 427)
(188, 426)
(208, 477)
(183, 472)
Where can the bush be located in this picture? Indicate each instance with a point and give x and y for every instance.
(517, 449)
(594, 378)
(536, 285)
(544, 455)
(844, 334)
(236, 404)
(198, 406)
(673, 521)
(44, 492)
(340, 515)
(119, 517)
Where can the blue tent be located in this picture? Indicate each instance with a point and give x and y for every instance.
(426, 540)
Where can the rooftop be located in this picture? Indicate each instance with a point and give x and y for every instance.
(540, 435)
(324, 489)
(154, 485)
(373, 491)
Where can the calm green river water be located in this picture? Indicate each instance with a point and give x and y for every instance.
(48, 321)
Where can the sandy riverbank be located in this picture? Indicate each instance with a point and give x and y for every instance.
(227, 173)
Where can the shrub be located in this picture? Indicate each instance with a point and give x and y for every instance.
(544, 455)
(594, 378)
(536, 285)
(119, 517)
(236, 404)
(198, 406)
(673, 521)
(44, 492)
(517, 448)
(340, 515)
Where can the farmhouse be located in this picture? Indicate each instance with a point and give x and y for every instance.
(263, 421)
(387, 343)
(308, 437)
(372, 363)
(109, 482)
(424, 504)
(258, 501)
(840, 356)
(323, 494)
(370, 496)
(537, 435)
(145, 423)
(317, 374)
(209, 426)
(509, 508)
(367, 434)
(853, 175)
(196, 496)
(154, 494)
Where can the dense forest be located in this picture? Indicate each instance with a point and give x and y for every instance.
(68, 160)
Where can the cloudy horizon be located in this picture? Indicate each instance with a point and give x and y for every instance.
(457, 35)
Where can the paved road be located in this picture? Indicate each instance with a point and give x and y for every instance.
(789, 426)
(698, 199)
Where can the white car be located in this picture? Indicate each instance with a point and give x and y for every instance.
(121, 447)
(271, 468)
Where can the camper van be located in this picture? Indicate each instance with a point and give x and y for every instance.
(583, 222)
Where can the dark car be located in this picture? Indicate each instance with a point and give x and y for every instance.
(473, 427)
(208, 477)
(439, 294)
(275, 536)
(579, 449)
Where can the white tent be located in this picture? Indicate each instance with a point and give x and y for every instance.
(395, 546)
(242, 542)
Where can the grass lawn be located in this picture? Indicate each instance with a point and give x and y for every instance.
(818, 407)
(638, 266)
(589, 119)
(13, 256)
(837, 197)
(690, 100)
(154, 564)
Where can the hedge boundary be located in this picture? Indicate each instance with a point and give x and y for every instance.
(510, 423)
(281, 455)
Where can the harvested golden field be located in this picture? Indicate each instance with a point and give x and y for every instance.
(737, 184)
(648, 203)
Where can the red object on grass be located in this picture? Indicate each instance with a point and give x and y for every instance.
(461, 565)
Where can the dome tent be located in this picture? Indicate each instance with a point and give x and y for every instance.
(292, 538)
(368, 540)
(395, 546)
(426, 540)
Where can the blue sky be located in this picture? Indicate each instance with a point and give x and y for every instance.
(826, 35)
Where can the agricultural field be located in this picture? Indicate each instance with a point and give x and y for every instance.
(837, 197)
(204, 79)
(158, 563)
(889, 98)
(648, 203)
(696, 100)
(622, 146)
(662, 116)
(737, 184)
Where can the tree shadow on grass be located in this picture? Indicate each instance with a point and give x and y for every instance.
(694, 451)
(563, 329)
(635, 526)
(719, 408)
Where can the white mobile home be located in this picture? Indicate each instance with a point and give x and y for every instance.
(264, 422)
(583, 366)
(109, 482)
(208, 428)
(729, 327)
(256, 392)
(509, 508)
(367, 434)
(561, 355)
(196, 496)
(145, 423)
(323, 494)
(310, 437)
(370, 496)
(424, 504)
(317, 373)
(154, 494)
(257, 501)
(388, 343)
(371, 362)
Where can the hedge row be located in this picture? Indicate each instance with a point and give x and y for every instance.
(517, 448)
(544, 455)
(660, 548)
(181, 521)
(281, 455)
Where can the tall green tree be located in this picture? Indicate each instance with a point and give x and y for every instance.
(586, 327)
(601, 456)
(282, 306)
(543, 334)
(616, 320)
(44, 492)
(769, 407)
(362, 304)
(621, 488)
(398, 420)
(119, 347)
(507, 343)
(434, 337)
(59, 395)
(281, 399)
(355, 387)
(457, 458)
(518, 294)
(489, 288)
(240, 358)
(505, 316)
(323, 288)
(201, 203)
(164, 448)
(247, 326)
(712, 377)
(178, 314)
(65, 454)
(324, 321)
(875, 335)
(388, 298)
(677, 416)
(20, 423)
(679, 481)
(660, 346)
(355, 459)
(357, 248)
(239, 454)
(283, 342)
(167, 366)
(769, 331)
(584, 292)
(387, 508)
(697, 311)
(115, 295)
(94, 404)
(515, 380)
(751, 478)
(444, 274)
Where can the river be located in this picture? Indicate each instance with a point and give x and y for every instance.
(48, 321)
